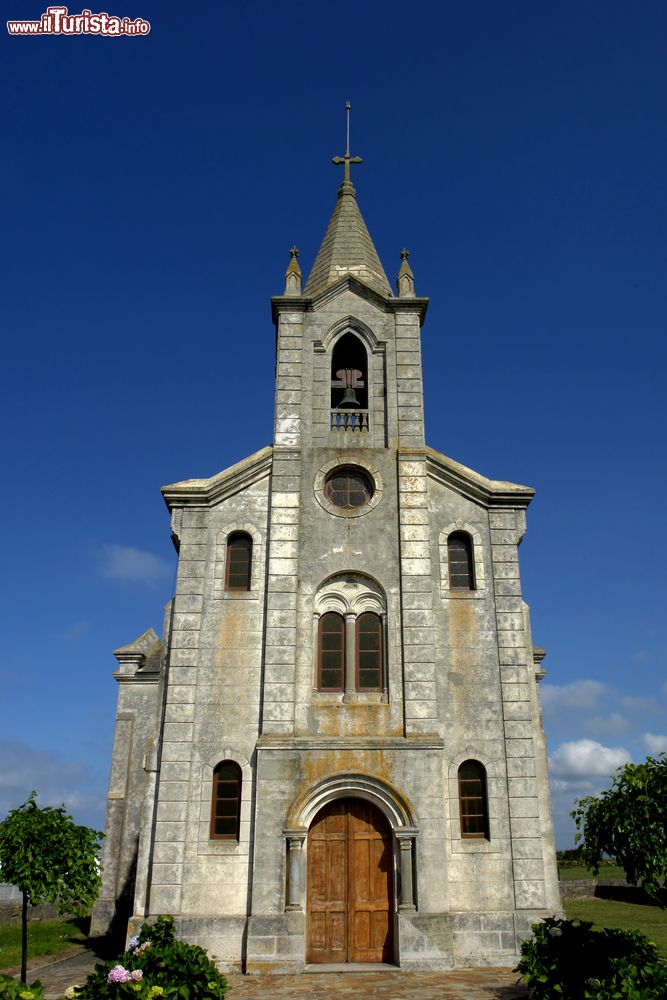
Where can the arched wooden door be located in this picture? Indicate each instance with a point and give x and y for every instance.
(350, 885)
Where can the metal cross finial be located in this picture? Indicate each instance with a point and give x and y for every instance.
(294, 251)
(405, 253)
(347, 159)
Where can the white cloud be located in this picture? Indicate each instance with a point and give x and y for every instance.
(586, 759)
(655, 743)
(633, 704)
(584, 695)
(608, 725)
(123, 562)
(643, 656)
(579, 768)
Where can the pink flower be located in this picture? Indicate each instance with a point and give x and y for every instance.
(118, 975)
(136, 975)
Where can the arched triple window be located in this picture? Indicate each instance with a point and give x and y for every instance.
(331, 652)
(350, 610)
(473, 804)
(238, 564)
(226, 804)
(460, 561)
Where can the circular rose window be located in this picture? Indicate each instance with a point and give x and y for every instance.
(348, 488)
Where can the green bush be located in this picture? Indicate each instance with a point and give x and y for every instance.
(572, 856)
(14, 989)
(156, 966)
(568, 960)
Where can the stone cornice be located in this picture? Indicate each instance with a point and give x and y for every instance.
(275, 742)
(288, 303)
(149, 677)
(470, 484)
(204, 492)
(291, 303)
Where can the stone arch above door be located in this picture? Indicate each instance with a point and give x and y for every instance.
(392, 803)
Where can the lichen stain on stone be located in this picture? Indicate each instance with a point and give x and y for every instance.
(462, 639)
(357, 719)
(231, 634)
(318, 765)
(231, 654)
(313, 721)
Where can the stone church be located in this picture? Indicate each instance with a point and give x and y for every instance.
(335, 753)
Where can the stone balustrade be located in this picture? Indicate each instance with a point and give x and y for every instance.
(349, 420)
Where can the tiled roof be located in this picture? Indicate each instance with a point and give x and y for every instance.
(347, 249)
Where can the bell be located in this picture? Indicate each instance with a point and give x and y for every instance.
(349, 400)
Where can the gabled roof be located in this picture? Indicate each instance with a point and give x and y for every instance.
(347, 249)
(467, 482)
(140, 661)
(204, 492)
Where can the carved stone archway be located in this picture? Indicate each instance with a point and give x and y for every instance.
(395, 807)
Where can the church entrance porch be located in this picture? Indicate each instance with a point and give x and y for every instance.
(349, 884)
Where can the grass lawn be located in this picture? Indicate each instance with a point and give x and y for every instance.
(651, 920)
(606, 872)
(45, 937)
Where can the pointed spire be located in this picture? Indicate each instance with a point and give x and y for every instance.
(347, 248)
(405, 283)
(293, 274)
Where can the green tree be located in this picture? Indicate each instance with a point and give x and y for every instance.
(628, 822)
(50, 859)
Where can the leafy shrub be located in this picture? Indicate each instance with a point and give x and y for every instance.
(628, 822)
(13, 989)
(568, 960)
(156, 966)
(572, 856)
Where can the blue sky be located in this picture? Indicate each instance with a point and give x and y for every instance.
(153, 187)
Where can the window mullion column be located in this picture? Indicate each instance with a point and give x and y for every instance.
(384, 667)
(350, 657)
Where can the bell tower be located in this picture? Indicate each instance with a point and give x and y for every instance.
(349, 352)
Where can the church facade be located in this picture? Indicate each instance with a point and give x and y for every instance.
(335, 753)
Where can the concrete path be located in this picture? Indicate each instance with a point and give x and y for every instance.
(462, 984)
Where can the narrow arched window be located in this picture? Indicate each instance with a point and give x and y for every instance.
(238, 567)
(331, 652)
(473, 801)
(349, 374)
(226, 806)
(459, 557)
(369, 652)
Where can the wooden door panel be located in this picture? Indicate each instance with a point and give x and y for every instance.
(317, 930)
(317, 859)
(380, 868)
(380, 931)
(336, 870)
(362, 930)
(370, 886)
(350, 887)
(337, 931)
(327, 886)
(360, 871)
